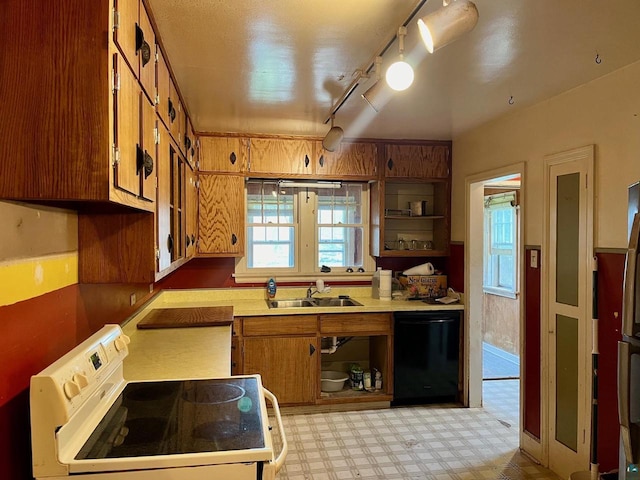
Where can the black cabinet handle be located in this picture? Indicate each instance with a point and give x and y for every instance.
(321, 161)
(170, 243)
(193, 239)
(233, 158)
(234, 239)
(172, 111)
(312, 349)
(188, 240)
(187, 142)
(390, 164)
(142, 46)
(144, 161)
(306, 160)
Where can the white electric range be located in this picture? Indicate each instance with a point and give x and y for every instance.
(88, 422)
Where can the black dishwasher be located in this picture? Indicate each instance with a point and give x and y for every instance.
(426, 357)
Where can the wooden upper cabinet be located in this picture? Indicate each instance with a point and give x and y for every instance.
(190, 144)
(146, 44)
(125, 24)
(147, 153)
(127, 128)
(191, 228)
(221, 214)
(417, 161)
(269, 156)
(177, 116)
(357, 160)
(163, 89)
(223, 154)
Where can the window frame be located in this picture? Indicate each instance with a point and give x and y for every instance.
(501, 201)
(306, 265)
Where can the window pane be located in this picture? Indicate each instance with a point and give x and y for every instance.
(271, 247)
(505, 271)
(340, 246)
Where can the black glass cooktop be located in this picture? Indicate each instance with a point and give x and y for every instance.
(182, 416)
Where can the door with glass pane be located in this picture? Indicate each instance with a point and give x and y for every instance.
(569, 314)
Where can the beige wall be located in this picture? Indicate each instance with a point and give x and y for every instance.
(38, 250)
(500, 322)
(605, 112)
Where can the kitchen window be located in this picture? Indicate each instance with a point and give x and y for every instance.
(501, 245)
(296, 230)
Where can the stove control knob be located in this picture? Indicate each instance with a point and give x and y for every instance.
(71, 389)
(81, 380)
(121, 342)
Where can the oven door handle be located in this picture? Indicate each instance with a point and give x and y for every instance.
(279, 461)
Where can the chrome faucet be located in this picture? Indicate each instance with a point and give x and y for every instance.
(310, 291)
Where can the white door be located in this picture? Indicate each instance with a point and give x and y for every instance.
(569, 319)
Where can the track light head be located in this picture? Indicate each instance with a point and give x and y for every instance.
(447, 24)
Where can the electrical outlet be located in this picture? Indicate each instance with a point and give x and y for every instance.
(132, 299)
(534, 259)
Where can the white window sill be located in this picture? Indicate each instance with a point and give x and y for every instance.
(500, 292)
(302, 277)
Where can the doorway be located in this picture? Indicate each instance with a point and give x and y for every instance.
(501, 289)
(485, 190)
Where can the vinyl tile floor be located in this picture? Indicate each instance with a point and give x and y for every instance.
(439, 442)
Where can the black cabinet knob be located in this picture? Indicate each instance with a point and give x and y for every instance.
(390, 164)
(306, 160)
(321, 161)
(234, 239)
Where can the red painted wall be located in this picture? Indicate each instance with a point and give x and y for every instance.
(531, 354)
(610, 278)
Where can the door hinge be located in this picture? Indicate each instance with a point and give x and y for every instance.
(157, 56)
(157, 253)
(115, 156)
(115, 86)
(197, 184)
(156, 181)
(156, 136)
(116, 19)
(157, 99)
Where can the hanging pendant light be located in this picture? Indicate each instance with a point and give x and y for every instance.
(447, 24)
(399, 75)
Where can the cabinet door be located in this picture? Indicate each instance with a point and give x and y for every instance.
(221, 214)
(176, 115)
(190, 144)
(348, 160)
(147, 155)
(127, 127)
(163, 214)
(288, 366)
(281, 156)
(191, 212)
(163, 104)
(124, 29)
(146, 55)
(417, 161)
(223, 154)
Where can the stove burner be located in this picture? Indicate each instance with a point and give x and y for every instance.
(213, 393)
(153, 391)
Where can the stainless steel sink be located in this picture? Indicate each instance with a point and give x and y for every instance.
(336, 302)
(296, 302)
(313, 302)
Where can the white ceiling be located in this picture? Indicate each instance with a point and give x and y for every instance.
(279, 66)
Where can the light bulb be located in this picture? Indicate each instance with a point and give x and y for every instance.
(399, 76)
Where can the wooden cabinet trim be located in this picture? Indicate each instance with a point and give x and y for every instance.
(280, 325)
(356, 323)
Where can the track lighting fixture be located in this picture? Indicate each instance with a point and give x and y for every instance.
(333, 137)
(400, 74)
(447, 24)
(378, 94)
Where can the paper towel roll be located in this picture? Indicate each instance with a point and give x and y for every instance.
(385, 285)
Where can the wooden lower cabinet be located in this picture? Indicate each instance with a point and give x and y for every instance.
(286, 351)
(288, 366)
